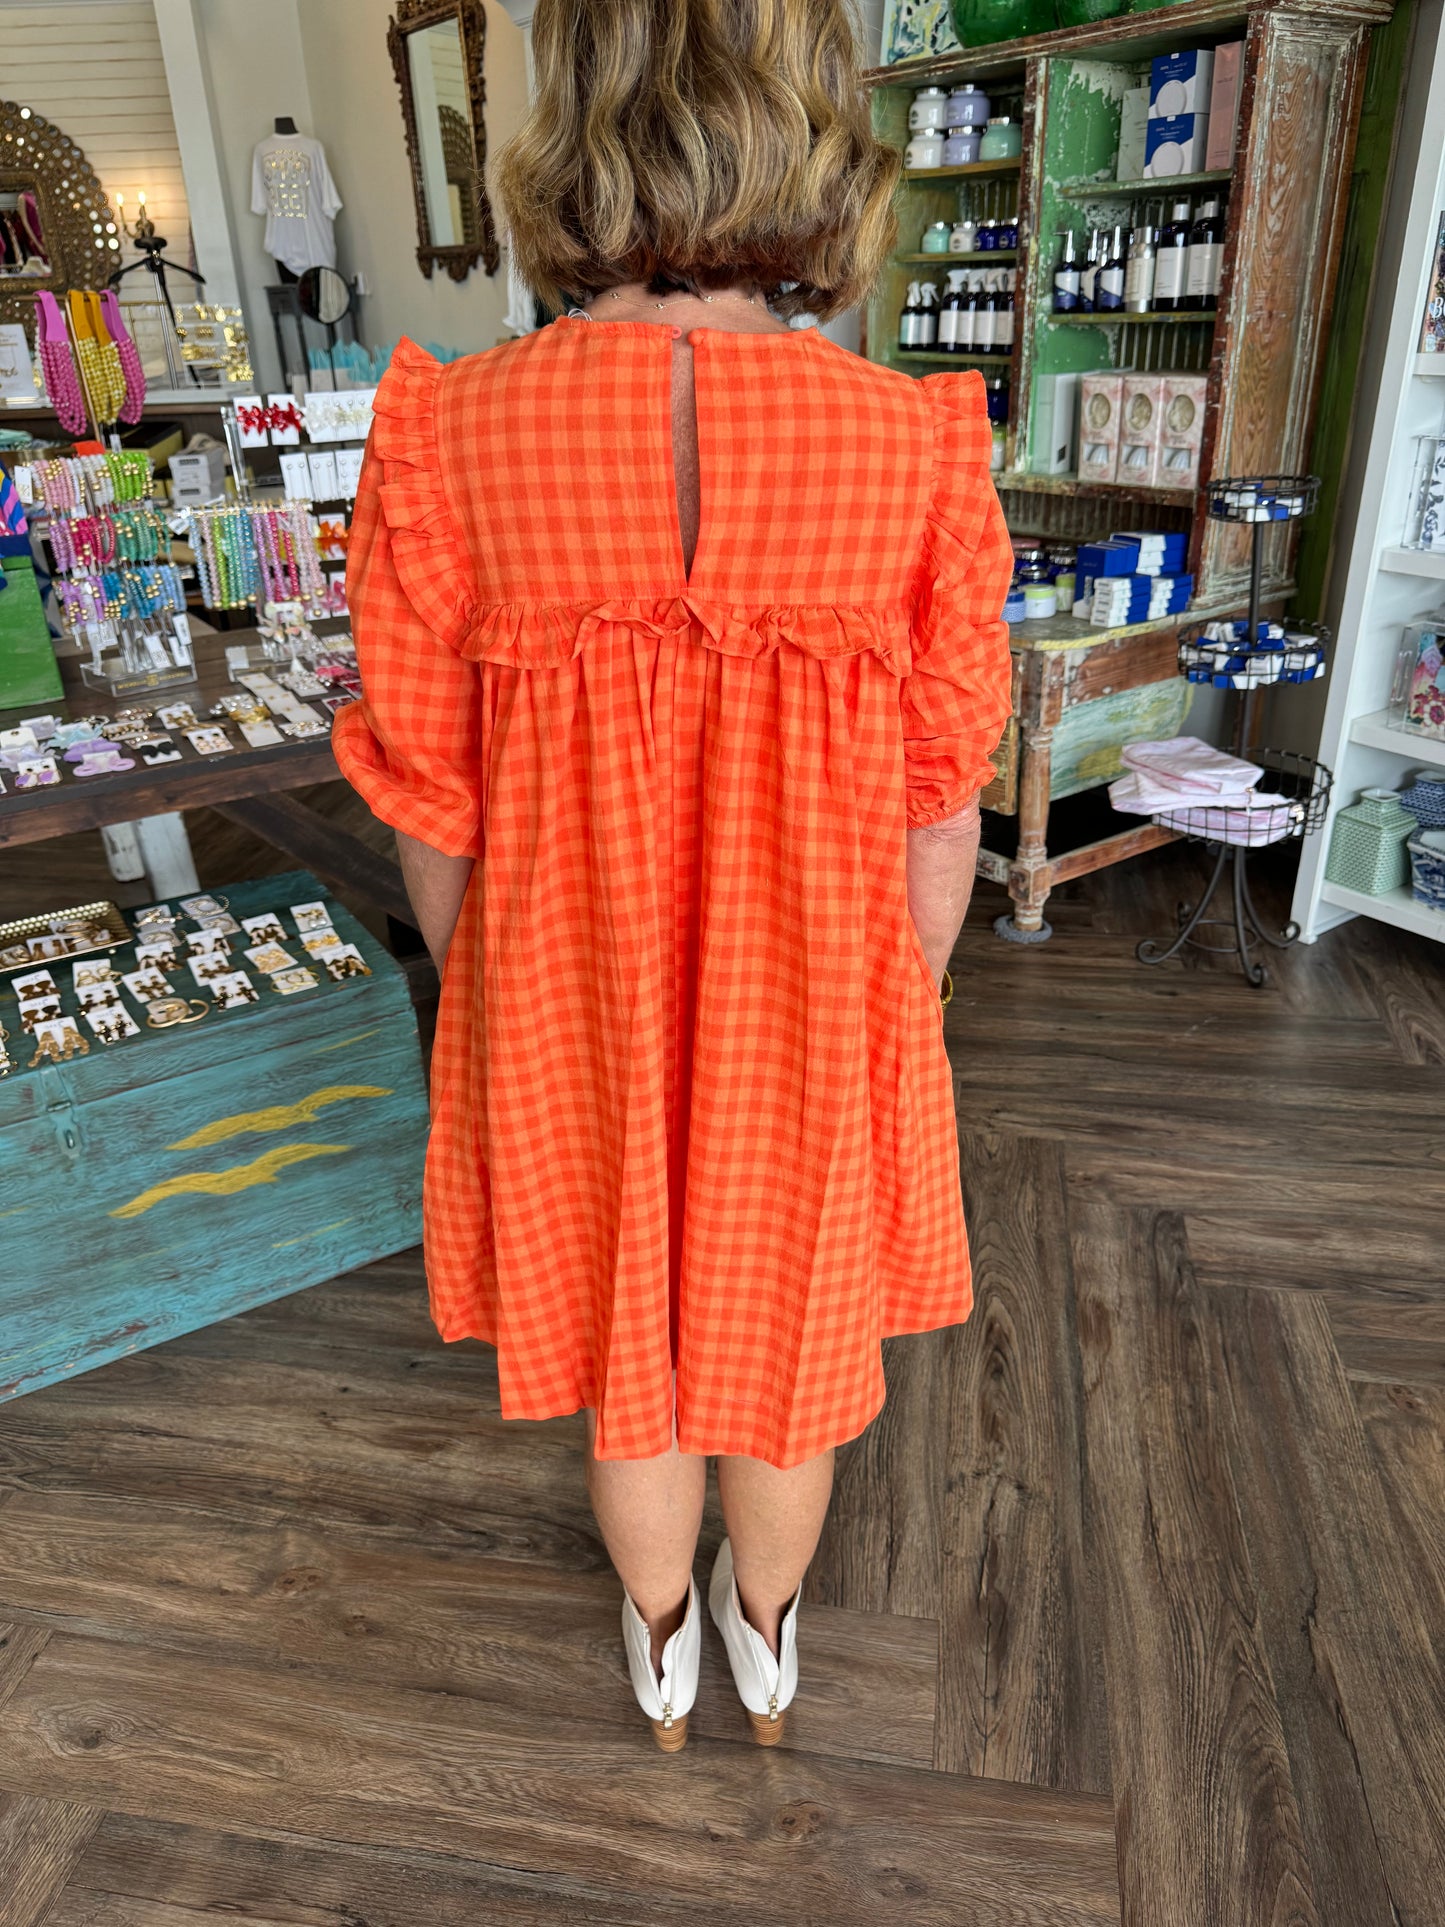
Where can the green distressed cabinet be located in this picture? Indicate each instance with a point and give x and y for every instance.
(1081, 693)
(168, 1181)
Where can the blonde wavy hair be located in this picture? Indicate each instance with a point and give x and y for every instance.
(695, 143)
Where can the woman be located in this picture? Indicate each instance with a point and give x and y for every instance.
(680, 642)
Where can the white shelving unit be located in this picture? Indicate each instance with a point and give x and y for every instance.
(1387, 585)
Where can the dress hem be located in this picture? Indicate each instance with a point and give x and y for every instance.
(719, 1449)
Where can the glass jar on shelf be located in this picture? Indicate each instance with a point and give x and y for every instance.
(1003, 140)
(961, 147)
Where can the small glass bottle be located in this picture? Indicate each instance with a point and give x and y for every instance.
(1109, 281)
(1003, 140)
(1139, 275)
(1205, 256)
(1171, 259)
(1066, 277)
(964, 238)
(987, 242)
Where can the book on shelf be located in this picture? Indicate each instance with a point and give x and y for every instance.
(1432, 327)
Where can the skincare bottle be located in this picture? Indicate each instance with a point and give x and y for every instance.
(1139, 275)
(1066, 278)
(1171, 260)
(1109, 282)
(1087, 273)
(951, 312)
(1205, 255)
(908, 321)
(1003, 321)
(928, 315)
(966, 327)
(985, 317)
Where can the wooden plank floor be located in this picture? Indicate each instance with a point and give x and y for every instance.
(1131, 1607)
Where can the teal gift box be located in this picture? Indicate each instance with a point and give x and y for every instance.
(175, 1178)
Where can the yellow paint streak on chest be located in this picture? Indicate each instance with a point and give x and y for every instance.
(276, 1117)
(240, 1177)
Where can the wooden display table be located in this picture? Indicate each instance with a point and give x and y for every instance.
(249, 786)
(1130, 676)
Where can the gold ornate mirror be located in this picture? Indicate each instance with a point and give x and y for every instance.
(57, 229)
(436, 50)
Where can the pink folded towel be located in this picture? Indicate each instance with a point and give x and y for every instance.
(1190, 767)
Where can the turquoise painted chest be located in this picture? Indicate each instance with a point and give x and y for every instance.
(169, 1180)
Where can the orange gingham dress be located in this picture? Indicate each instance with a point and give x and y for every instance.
(693, 1150)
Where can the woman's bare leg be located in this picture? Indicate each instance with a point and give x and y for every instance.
(649, 1511)
(774, 1521)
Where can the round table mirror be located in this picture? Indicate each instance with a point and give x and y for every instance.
(324, 295)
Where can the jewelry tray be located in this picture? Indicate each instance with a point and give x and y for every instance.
(14, 936)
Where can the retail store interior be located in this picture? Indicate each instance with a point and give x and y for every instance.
(1131, 1606)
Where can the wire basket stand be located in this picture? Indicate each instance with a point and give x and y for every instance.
(1292, 794)
(1261, 502)
(1289, 801)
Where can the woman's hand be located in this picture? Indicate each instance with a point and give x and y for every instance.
(941, 863)
(436, 886)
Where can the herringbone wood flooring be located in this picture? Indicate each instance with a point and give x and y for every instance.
(1131, 1606)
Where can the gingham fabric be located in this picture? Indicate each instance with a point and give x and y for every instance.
(692, 1111)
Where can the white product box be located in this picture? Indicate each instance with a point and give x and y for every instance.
(1056, 414)
(198, 478)
(1179, 83)
(1133, 120)
(1140, 408)
(1176, 146)
(1181, 430)
(1100, 409)
(1224, 104)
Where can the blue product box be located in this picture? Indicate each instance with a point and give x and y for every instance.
(1177, 145)
(1107, 558)
(1180, 82)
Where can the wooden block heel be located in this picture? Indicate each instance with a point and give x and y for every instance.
(765, 1731)
(672, 1739)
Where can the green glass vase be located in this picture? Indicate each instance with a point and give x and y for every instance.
(1079, 13)
(979, 23)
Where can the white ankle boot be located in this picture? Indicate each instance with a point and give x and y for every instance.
(765, 1685)
(667, 1702)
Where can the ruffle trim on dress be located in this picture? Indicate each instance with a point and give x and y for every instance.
(427, 552)
(958, 503)
(534, 635)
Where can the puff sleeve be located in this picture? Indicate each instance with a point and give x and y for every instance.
(411, 746)
(956, 699)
